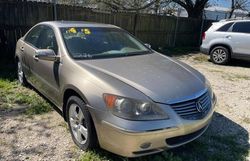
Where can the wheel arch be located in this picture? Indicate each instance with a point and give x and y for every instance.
(73, 91)
(68, 92)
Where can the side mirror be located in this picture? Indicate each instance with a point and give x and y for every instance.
(46, 54)
(148, 45)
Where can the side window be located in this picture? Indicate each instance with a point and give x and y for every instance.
(225, 27)
(47, 40)
(242, 27)
(33, 35)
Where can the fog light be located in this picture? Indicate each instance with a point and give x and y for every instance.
(145, 145)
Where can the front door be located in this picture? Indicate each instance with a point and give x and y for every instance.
(45, 73)
(240, 37)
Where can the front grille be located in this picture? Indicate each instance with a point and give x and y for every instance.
(189, 110)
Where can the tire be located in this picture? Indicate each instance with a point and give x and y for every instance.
(220, 55)
(80, 124)
(20, 74)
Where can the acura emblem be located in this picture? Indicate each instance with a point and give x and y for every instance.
(200, 107)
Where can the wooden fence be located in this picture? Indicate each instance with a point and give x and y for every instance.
(18, 16)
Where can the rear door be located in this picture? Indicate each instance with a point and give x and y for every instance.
(29, 48)
(240, 37)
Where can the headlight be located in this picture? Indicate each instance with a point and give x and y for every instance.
(132, 109)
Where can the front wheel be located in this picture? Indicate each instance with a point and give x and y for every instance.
(80, 124)
(220, 55)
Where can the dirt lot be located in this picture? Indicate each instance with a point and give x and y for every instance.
(45, 136)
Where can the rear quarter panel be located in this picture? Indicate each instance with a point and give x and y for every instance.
(216, 38)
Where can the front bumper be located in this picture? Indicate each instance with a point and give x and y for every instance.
(132, 143)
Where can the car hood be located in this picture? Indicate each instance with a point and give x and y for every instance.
(162, 79)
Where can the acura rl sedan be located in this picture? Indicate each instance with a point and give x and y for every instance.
(114, 91)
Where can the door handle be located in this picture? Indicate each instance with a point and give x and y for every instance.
(35, 58)
(22, 48)
(228, 36)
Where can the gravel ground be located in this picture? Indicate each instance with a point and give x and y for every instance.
(45, 137)
(41, 137)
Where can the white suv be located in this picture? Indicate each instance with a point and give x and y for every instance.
(227, 39)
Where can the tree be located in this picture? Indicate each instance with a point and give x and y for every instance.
(128, 5)
(238, 4)
(170, 9)
(194, 8)
(85, 3)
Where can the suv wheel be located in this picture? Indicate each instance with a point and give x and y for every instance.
(20, 74)
(220, 55)
(80, 124)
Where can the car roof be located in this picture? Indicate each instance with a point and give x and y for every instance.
(234, 20)
(60, 24)
(216, 25)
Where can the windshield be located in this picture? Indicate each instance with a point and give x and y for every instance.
(96, 42)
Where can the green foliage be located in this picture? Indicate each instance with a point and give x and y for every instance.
(101, 155)
(12, 94)
(201, 58)
(92, 156)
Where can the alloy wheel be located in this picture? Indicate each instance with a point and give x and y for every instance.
(219, 56)
(77, 123)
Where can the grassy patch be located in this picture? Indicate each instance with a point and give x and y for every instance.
(235, 77)
(201, 58)
(215, 148)
(14, 95)
(101, 155)
(215, 71)
(164, 156)
(3, 142)
(246, 120)
(92, 156)
(64, 125)
(242, 77)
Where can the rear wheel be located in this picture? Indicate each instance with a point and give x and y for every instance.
(20, 74)
(220, 55)
(80, 124)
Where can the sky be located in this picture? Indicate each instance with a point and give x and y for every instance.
(223, 3)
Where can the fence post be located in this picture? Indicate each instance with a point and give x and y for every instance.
(176, 26)
(202, 24)
(54, 9)
(135, 23)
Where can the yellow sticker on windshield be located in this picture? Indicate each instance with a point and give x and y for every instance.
(86, 31)
(72, 30)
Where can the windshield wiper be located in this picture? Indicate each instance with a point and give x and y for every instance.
(110, 55)
(107, 55)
